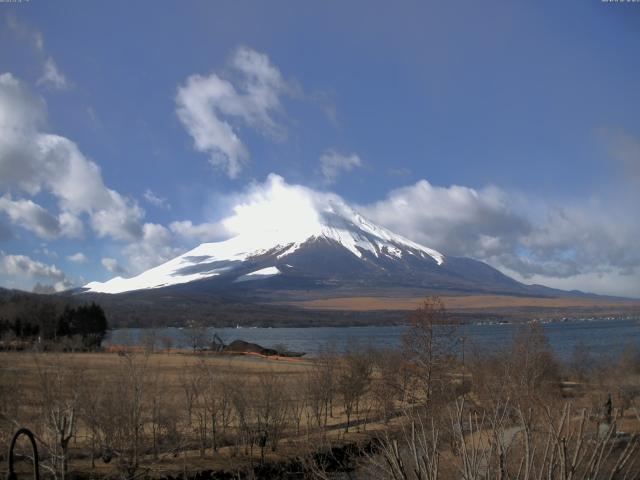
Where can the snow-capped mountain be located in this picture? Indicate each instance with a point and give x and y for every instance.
(275, 249)
(286, 238)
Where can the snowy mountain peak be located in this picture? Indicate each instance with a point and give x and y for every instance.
(268, 229)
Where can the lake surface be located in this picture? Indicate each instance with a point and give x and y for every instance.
(603, 337)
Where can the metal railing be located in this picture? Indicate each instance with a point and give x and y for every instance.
(11, 474)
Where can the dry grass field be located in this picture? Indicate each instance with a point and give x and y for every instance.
(174, 414)
(470, 302)
(176, 395)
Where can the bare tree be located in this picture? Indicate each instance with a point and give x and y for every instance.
(215, 388)
(354, 377)
(297, 403)
(148, 338)
(318, 387)
(389, 386)
(582, 362)
(123, 413)
(533, 366)
(167, 342)
(197, 337)
(431, 346)
(11, 406)
(59, 407)
(506, 442)
(270, 409)
(161, 415)
(188, 383)
(91, 401)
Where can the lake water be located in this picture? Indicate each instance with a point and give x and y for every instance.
(603, 337)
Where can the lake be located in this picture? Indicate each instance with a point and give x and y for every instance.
(603, 337)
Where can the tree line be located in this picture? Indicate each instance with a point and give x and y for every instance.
(28, 319)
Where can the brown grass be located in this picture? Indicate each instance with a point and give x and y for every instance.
(171, 368)
(470, 302)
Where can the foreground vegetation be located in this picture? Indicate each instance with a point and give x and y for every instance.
(48, 322)
(421, 412)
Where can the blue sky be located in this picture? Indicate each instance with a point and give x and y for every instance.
(504, 131)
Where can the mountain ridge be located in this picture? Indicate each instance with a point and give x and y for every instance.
(319, 245)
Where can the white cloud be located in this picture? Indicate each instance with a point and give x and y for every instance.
(211, 108)
(52, 77)
(45, 251)
(333, 164)
(78, 257)
(203, 232)
(112, 265)
(24, 266)
(21, 116)
(583, 239)
(155, 247)
(580, 246)
(458, 220)
(609, 283)
(156, 200)
(33, 161)
(70, 225)
(276, 209)
(31, 216)
(36, 219)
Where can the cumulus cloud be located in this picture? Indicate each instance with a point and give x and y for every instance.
(461, 221)
(70, 225)
(573, 243)
(213, 108)
(586, 246)
(275, 208)
(156, 200)
(31, 216)
(155, 247)
(78, 257)
(24, 266)
(45, 251)
(112, 265)
(36, 219)
(524, 237)
(202, 232)
(333, 163)
(32, 161)
(52, 77)
(575, 240)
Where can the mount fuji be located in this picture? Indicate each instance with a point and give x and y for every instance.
(290, 238)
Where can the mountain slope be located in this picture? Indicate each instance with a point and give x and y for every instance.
(338, 233)
(320, 246)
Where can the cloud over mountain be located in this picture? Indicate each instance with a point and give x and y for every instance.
(333, 163)
(527, 237)
(212, 108)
